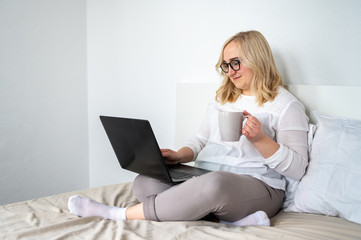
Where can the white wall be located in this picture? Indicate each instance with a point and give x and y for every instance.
(138, 51)
(43, 98)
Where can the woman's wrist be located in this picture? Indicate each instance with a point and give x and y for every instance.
(266, 146)
(185, 155)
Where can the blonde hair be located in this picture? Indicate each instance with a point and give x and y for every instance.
(256, 54)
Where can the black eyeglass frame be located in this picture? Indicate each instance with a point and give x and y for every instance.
(227, 65)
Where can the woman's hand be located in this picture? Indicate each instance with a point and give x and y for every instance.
(170, 156)
(252, 129)
(183, 155)
(254, 133)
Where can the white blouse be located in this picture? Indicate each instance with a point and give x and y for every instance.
(284, 120)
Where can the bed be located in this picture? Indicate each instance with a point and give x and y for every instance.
(49, 218)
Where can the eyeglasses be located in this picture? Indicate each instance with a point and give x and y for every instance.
(234, 64)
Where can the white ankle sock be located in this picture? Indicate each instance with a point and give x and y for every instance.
(258, 218)
(84, 207)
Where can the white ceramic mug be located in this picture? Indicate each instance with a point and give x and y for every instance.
(230, 125)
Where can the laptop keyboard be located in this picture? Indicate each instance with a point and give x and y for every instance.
(178, 174)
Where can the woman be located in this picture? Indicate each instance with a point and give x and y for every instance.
(247, 182)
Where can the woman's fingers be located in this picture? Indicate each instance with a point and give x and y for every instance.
(169, 156)
(252, 129)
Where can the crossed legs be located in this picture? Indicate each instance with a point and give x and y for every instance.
(228, 196)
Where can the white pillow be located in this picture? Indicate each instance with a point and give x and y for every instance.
(332, 184)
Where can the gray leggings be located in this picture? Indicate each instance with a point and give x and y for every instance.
(227, 196)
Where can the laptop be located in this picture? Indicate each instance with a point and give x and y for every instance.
(137, 150)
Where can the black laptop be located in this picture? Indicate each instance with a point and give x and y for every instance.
(137, 150)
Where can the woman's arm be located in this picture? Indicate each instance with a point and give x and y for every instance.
(183, 155)
(254, 133)
(288, 156)
(291, 159)
(193, 146)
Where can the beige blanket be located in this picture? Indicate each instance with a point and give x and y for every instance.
(49, 218)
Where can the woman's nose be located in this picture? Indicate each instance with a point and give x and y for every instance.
(230, 71)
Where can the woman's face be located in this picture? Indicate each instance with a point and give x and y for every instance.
(242, 78)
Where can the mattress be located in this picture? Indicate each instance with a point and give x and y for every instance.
(49, 218)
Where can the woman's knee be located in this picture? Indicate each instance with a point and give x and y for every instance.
(214, 184)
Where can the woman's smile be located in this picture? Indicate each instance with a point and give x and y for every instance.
(236, 78)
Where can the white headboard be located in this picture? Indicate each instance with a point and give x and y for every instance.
(192, 100)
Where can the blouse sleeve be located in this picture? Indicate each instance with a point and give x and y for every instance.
(291, 159)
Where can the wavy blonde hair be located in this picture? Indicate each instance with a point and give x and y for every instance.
(256, 54)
